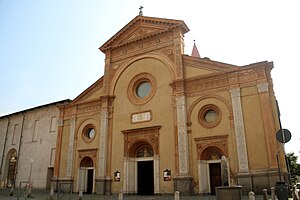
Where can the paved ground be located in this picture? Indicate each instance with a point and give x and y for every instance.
(44, 195)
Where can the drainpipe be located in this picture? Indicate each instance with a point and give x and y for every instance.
(3, 153)
(20, 142)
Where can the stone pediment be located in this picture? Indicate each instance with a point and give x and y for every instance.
(140, 33)
(91, 93)
(140, 28)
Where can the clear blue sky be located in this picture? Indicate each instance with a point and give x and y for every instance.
(49, 48)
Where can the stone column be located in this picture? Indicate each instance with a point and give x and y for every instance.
(156, 174)
(244, 177)
(125, 174)
(71, 148)
(269, 126)
(182, 135)
(60, 124)
(102, 158)
(239, 130)
(183, 183)
(203, 177)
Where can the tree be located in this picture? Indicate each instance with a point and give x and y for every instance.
(294, 166)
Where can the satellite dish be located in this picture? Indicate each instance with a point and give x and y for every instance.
(283, 136)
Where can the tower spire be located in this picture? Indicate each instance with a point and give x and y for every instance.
(195, 52)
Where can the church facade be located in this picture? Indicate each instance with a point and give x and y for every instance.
(160, 121)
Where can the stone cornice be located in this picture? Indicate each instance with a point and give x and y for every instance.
(206, 63)
(89, 91)
(250, 75)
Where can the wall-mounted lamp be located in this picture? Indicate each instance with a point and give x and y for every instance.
(117, 176)
(167, 175)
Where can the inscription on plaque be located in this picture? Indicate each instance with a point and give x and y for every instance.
(141, 117)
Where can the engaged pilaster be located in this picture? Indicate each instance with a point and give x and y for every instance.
(239, 130)
(71, 148)
(268, 118)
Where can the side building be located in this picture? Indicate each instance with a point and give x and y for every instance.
(27, 146)
(160, 121)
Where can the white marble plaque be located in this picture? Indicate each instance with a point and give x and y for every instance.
(141, 117)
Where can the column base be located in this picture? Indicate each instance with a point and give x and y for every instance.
(66, 184)
(184, 185)
(103, 186)
(244, 179)
(258, 180)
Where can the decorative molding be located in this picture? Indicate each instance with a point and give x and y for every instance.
(91, 107)
(178, 86)
(225, 80)
(178, 60)
(133, 136)
(203, 143)
(91, 152)
(132, 32)
(140, 47)
(205, 84)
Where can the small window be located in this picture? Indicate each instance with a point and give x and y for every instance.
(53, 124)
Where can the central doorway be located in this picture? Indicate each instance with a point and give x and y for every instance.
(86, 175)
(215, 176)
(145, 178)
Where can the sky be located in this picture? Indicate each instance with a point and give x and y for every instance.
(49, 48)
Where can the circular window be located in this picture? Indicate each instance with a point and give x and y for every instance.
(89, 134)
(141, 88)
(209, 116)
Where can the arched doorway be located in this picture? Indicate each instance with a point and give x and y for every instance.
(141, 161)
(211, 170)
(10, 168)
(140, 166)
(86, 175)
(214, 163)
(145, 170)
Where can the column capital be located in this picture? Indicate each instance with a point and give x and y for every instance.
(235, 92)
(263, 87)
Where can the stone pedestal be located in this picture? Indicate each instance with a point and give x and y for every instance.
(244, 179)
(229, 192)
(103, 186)
(184, 185)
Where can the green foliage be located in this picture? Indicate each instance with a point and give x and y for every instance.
(294, 166)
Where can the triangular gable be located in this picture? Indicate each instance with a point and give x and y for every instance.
(142, 27)
(88, 94)
(207, 64)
